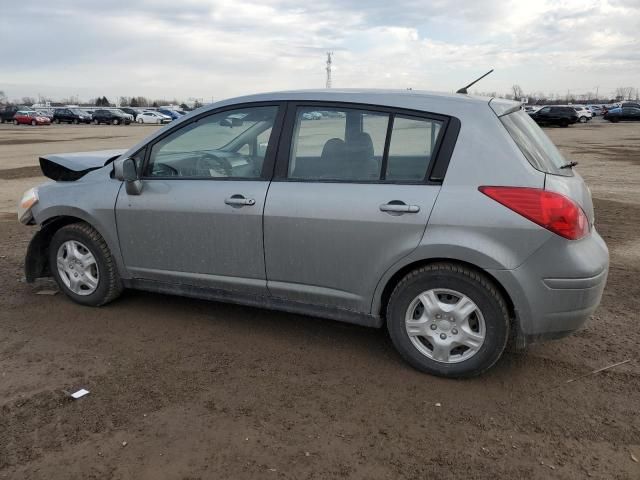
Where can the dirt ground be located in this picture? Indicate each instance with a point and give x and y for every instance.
(186, 389)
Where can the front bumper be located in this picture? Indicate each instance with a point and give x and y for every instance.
(558, 288)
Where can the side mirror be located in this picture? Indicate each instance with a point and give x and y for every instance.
(133, 183)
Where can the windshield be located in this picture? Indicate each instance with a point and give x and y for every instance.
(541, 153)
(78, 112)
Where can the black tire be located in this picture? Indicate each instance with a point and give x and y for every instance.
(57, 120)
(468, 282)
(564, 123)
(96, 122)
(34, 123)
(584, 119)
(109, 283)
(76, 122)
(116, 121)
(15, 122)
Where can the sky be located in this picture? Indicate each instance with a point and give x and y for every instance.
(214, 49)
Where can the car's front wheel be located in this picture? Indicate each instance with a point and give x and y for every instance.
(82, 265)
(448, 320)
(583, 119)
(96, 122)
(15, 122)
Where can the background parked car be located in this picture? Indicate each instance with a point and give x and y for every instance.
(70, 115)
(623, 114)
(110, 116)
(584, 114)
(46, 113)
(169, 113)
(130, 111)
(153, 117)
(30, 117)
(562, 116)
(9, 111)
(124, 114)
(595, 109)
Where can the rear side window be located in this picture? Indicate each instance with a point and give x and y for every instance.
(358, 145)
(411, 147)
(343, 145)
(541, 153)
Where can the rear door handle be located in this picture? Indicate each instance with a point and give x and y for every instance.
(239, 201)
(397, 207)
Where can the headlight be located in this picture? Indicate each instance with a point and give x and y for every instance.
(29, 199)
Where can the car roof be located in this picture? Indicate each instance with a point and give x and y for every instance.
(437, 102)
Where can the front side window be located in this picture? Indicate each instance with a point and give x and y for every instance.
(338, 144)
(412, 144)
(221, 145)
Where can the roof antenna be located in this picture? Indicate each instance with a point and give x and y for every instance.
(464, 89)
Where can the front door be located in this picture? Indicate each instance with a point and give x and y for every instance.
(351, 197)
(198, 220)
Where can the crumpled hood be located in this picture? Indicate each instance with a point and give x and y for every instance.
(67, 167)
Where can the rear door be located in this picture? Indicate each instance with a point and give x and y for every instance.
(352, 195)
(198, 220)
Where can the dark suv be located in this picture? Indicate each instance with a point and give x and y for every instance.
(6, 115)
(109, 116)
(563, 116)
(70, 115)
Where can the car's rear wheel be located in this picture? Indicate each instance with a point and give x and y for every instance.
(115, 121)
(82, 265)
(564, 123)
(448, 320)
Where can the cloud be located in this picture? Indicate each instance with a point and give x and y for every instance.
(215, 49)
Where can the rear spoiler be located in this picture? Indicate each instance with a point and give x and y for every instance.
(504, 107)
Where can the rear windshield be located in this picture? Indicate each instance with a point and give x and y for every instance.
(534, 144)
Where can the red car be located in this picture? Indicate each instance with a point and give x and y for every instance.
(30, 117)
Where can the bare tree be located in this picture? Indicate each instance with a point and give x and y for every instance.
(517, 92)
(3, 97)
(28, 101)
(624, 93)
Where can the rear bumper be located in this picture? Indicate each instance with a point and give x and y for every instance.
(558, 288)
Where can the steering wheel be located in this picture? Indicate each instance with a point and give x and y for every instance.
(164, 170)
(209, 161)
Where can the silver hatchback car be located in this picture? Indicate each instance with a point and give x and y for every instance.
(451, 220)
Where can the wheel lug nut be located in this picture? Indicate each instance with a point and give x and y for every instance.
(454, 331)
(443, 336)
(433, 326)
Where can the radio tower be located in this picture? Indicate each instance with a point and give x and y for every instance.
(329, 69)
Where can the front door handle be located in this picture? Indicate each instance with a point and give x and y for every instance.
(397, 207)
(239, 201)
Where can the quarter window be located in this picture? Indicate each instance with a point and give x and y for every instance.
(412, 143)
(339, 144)
(222, 145)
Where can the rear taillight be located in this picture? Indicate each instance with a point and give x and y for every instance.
(550, 210)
